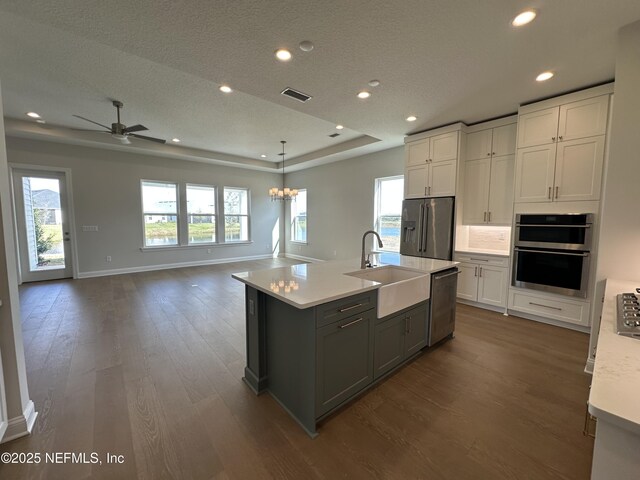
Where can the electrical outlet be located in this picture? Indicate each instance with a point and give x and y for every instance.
(335, 253)
(107, 258)
(208, 250)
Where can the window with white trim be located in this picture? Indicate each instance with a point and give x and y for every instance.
(299, 217)
(160, 213)
(236, 214)
(201, 214)
(389, 193)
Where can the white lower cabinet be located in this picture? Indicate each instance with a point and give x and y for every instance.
(553, 307)
(483, 279)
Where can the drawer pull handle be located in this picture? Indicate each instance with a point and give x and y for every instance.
(545, 306)
(479, 259)
(352, 323)
(346, 309)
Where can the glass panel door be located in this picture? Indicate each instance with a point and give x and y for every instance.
(42, 223)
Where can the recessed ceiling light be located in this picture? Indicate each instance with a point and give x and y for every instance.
(411, 118)
(339, 127)
(306, 46)
(263, 156)
(544, 76)
(40, 121)
(283, 54)
(524, 18)
(225, 89)
(374, 83)
(33, 115)
(175, 140)
(364, 94)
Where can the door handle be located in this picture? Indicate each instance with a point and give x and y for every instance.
(352, 323)
(485, 216)
(475, 273)
(557, 188)
(549, 194)
(480, 275)
(489, 217)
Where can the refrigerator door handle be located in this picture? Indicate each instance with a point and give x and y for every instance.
(425, 218)
(420, 220)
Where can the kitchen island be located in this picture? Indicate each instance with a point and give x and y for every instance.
(317, 334)
(614, 395)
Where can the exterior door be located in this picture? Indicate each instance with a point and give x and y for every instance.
(42, 221)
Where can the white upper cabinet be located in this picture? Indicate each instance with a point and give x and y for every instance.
(586, 118)
(488, 175)
(561, 150)
(431, 166)
(538, 128)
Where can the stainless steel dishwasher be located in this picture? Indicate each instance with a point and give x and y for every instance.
(442, 318)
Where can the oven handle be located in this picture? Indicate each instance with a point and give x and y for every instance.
(584, 254)
(586, 225)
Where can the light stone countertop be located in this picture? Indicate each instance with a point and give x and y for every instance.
(615, 387)
(311, 284)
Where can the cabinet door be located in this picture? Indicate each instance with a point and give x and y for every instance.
(504, 140)
(478, 145)
(500, 190)
(444, 147)
(344, 355)
(417, 153)
(586, 118)
(538, 128)
(388, 345)
(416, 334)
(492, 286)
(415, 181)
(468, 281)
(579, 169)
(442, 178)
(477, 174)
(535, 168)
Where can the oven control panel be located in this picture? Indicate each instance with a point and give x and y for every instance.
(628, 321)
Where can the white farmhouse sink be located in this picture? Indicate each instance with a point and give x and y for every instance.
(400, 287)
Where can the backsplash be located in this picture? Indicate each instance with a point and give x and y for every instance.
(489, 238)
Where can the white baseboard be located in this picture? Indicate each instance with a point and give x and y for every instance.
(588, 368)
(549, 321)
(167, 266)
(305, 259)
(21, 425)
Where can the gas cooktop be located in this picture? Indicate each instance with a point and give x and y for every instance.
(628, 321)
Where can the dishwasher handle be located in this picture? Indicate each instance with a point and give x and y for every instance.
(457, 272)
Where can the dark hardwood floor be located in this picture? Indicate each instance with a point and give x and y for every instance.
(149, 366)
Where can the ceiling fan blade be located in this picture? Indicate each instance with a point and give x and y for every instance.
(87, 130)
(135, 128)
(86, 119)
(152, 139)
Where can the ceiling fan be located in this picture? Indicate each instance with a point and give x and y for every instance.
(122, 132)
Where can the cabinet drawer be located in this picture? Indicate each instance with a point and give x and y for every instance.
(564, 310)
(481, 259)
(345, 307)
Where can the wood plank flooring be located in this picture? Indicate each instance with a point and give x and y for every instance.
(149, 366)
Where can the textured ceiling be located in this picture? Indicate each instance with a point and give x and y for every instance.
(442, 61)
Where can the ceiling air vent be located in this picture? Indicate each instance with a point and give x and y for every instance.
(296, 95)
(334, 135)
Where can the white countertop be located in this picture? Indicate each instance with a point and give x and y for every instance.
(312, 284)
(615, 387)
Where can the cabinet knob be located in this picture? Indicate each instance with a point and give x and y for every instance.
(488, 154)
(560, 137)
(553, 139)
(493, 153)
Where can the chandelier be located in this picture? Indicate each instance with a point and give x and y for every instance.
(284, 193)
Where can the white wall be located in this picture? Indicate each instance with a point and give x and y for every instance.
(619, 244)
(106, 193)
(340, 203)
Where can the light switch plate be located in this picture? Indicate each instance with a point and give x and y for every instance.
(89, 228)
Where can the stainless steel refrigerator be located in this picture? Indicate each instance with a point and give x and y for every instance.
(427, 228)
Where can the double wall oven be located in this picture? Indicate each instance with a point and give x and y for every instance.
(552, 252)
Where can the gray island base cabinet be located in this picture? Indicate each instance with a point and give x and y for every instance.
(314, 360)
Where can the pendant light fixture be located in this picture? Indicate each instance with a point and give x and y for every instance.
(284, 193)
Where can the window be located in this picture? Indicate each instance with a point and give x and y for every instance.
(388, 210)
(236, 214)
(299, 217)
(201, 214)
(160, 213)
